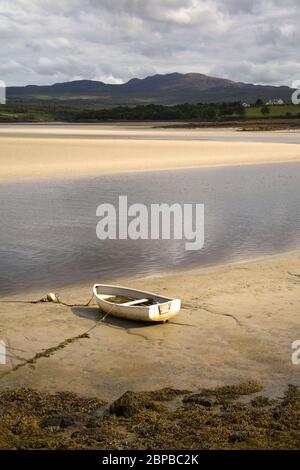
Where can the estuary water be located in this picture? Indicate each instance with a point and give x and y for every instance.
(48, 227)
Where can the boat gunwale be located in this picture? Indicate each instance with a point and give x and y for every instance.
(170, 299)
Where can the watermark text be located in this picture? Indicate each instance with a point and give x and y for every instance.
(2, 92)
(160, 221)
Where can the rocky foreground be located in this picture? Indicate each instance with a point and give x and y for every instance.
(228, 417)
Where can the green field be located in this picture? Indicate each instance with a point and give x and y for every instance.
(36, 116)
(275, 111)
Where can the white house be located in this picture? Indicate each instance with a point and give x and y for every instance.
(275, 101)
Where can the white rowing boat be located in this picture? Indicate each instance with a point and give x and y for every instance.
(132, 304)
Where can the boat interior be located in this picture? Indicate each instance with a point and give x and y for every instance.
(126, 301)
(127, 297)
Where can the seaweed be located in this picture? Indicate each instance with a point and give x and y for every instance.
(132, 403)
(216, 418)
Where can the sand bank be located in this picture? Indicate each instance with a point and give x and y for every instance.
(237, 323)
(24, 157)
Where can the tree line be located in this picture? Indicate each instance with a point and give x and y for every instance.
(151, 112)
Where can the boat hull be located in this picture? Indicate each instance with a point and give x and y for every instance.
(163, 309)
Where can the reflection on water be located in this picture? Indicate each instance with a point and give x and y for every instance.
(48, 228)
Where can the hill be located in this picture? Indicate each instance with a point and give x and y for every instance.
(174, 88)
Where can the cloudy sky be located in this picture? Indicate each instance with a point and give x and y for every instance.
(47, 41)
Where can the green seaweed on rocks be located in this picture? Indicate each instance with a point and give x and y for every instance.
(223, 394)
(132, 403)
(229, 417)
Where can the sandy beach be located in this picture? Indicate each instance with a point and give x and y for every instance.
(237, 324)
(23, 156)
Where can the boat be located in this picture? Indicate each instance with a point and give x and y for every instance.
(132, 304)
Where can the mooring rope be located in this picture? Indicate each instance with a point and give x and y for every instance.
(54, 298)
(294, 274)
(50, 298)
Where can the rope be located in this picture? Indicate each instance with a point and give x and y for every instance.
(50, 298)
(102, 319)
(72, 305)
(294, 274)
(23, 301)
(54, 298)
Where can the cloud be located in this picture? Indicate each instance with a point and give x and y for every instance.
(51, 40)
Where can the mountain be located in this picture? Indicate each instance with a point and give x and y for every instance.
(171, 88)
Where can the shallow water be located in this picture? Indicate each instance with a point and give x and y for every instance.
(48, 227)
(272, 137)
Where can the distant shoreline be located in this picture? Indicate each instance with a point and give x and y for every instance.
(254, 125)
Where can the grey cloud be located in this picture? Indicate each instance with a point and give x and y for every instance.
(51, 40)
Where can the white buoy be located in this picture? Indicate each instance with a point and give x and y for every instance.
(51, 297)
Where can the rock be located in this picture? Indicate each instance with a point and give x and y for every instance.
(132, 403)
(199, 399)
(58, 421)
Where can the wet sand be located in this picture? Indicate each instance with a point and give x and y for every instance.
(237, 324)
(50, 155)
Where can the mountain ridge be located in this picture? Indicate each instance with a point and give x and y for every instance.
(172, 88)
